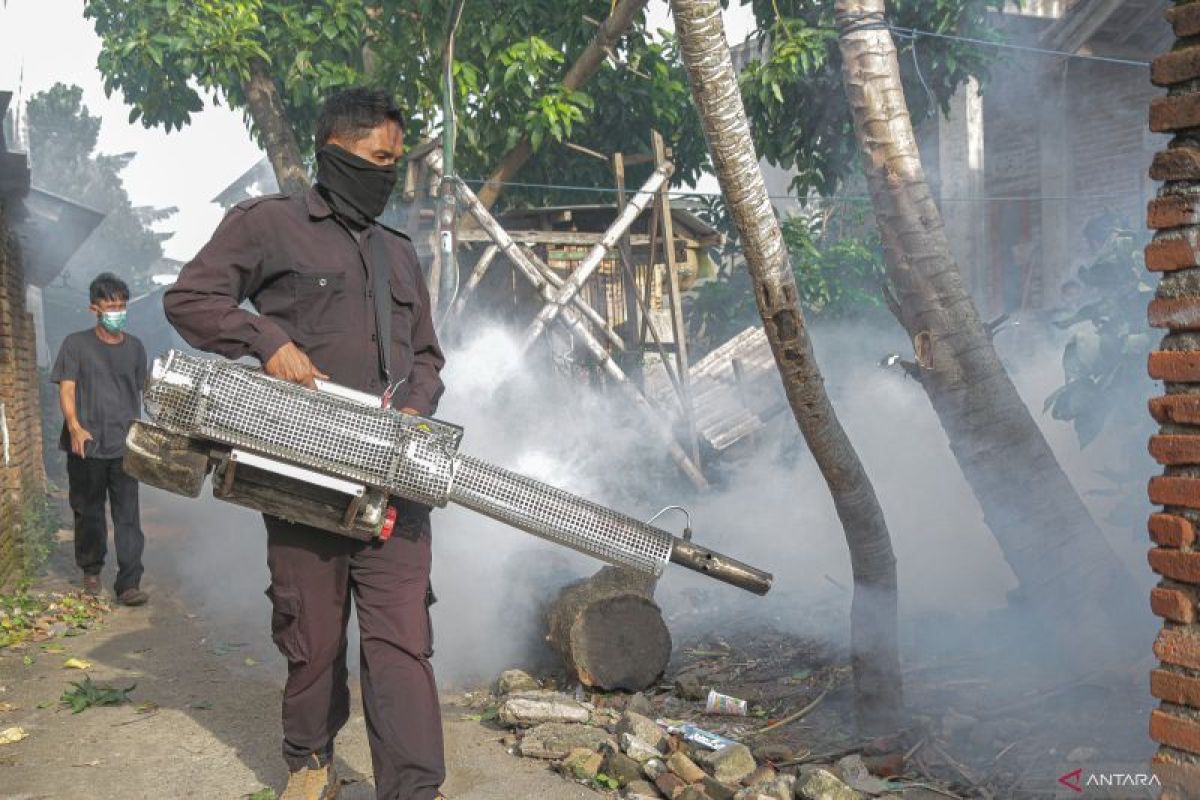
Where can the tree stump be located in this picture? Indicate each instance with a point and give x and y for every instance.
(610, 632)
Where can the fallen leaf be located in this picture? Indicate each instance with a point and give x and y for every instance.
(201, 705)
(12, 735)
(6, 707)
(250, 662)
(53, 648)
(76, 663)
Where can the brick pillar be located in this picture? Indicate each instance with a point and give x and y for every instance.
(22, 471)
(1174, 254)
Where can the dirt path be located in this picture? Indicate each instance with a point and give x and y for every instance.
(215, 732)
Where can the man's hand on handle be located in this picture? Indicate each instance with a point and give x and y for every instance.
(79, 439)
(289, 363)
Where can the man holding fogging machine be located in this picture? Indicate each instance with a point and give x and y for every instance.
(339, 296)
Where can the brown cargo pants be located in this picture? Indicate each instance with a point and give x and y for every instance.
(313, 573)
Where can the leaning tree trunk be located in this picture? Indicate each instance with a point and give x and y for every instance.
(1068, 572)
(875, 656)
(271, 122)
(588, 63)
(609, 631)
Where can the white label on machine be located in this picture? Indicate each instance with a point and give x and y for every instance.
(299, 473)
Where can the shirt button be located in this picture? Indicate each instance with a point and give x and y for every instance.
(322, 282)
(374, 338)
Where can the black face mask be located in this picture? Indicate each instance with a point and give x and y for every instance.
(363, 186)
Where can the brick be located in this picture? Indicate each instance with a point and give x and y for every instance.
(1179, 781)
(1179, 565)
(1175, 688)
(1174, 113)
(1177, 66)
(1172, 211)
(1177, 605)
(1178, 646)
(1174, 450)
(1175, 491)
(1180, 409)
(1173, 251)
(1174, 731)
(1175, 366)
(1177, 313)
(1171, 531)
(1176, 164)
(1185, 19)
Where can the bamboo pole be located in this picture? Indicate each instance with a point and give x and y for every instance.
(571, 319)
(481, 268)
(593, 259)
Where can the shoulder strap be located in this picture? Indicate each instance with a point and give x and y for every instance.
(381, 270)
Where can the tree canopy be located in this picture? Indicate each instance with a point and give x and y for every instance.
(793, 87)
(62, 151)
(165, 56)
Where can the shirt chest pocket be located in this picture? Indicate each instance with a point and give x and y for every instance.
(319, 301)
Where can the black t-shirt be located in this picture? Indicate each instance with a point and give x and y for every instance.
(108, 388)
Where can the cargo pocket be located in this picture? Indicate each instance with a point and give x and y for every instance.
(285, 624)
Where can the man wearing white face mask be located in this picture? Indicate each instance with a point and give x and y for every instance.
(100, 373)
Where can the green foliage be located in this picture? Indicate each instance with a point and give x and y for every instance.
(62, 150)
(262, 794)
(794, 94)
(86, 693)
(27, 615)
(1106, 354)
(40, 521)
(165, 56)
(838, 268)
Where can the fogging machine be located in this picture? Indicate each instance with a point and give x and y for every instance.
(331, 458)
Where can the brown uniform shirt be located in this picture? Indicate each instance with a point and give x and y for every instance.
(309, 277)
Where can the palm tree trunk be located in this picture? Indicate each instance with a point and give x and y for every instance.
(588, 63)
(1068, 572)
(274, 128)
(875, 656)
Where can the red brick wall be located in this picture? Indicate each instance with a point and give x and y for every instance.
(24, 473)
(1174, 255)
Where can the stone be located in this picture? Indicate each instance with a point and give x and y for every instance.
(856, 775)
(821, 784)
(782, 787)
(526, 709)
(555, 740)
(729, 764)
(640, 704)
(772, 752)
(691, 793)
(640, 790)
(763, 774)
(516, 680)
(688, 687)
(621, 768)
(643, 728)
(637, 749)
(717, 790)
(669, 784)
(582, 764)
(685, 768)
(654, 767)
(750, 793)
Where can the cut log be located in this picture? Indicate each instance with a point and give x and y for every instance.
(610, 632)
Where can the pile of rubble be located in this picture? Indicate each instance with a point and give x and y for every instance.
(622, 744)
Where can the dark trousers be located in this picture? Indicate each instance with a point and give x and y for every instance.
(90, 481)
(313, 574)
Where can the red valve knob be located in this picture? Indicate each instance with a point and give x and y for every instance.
(389, 522)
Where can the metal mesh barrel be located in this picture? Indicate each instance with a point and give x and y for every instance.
(240, 407)
(559, 516)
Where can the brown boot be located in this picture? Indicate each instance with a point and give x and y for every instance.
(91, 584)
(133, 597)
(311, 783)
